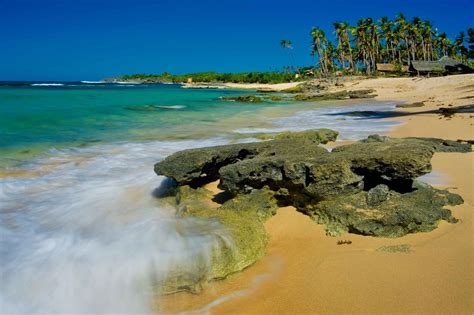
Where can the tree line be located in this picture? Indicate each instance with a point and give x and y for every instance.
(356, 49)
(360, 47)
(241, 77)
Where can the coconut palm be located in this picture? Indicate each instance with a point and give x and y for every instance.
(460, 48)
(443, 43)
(386, 28)
(319, 46)
(404, 30)
(399, 41)
(287, 44)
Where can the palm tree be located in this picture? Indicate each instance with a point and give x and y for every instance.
(344, 49)
(460, 48)
(287, 44)
(366, 43)
(399, 41)
(340, 46)
(443, 43)
(470, 41)
(319, 46)
(415, 37)
(404, 30)
(386, 27)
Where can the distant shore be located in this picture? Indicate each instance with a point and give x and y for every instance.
(243, 86)
(306, 272)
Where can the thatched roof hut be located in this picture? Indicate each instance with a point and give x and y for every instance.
(385, 67)
(443, 66)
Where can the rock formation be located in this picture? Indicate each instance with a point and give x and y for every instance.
(368, 187)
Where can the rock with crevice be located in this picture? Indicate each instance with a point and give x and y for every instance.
(368, 188)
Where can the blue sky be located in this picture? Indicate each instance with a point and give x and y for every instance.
(94, 39)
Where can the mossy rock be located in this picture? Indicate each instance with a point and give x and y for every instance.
(339, 95)
(322, 135)
(243, 98)
(293, 90)
(240, 241)
(394, 215)
(402, 248)
(368, 188)
(411, 105)
(275, 98)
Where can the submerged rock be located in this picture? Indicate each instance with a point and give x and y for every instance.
(243, 98)
(367, 188)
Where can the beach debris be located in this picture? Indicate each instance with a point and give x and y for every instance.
(402, 248)
(344, 242)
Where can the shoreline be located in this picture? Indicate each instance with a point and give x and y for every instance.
(274, 87)
(305, 271)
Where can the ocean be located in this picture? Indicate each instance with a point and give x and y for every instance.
(81, 230)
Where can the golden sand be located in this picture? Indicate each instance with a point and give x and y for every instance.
(307, 272)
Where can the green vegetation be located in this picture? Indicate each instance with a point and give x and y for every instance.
(243, 77)
(359, 48)
(356, 50)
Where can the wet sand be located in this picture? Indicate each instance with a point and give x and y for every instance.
(307, 272)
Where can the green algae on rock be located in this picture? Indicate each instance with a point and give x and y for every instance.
(241, 242)
(392, 214)
(322, 135)
(402, 248)
(410, 105)
(243, 98)
(339, 95)
(367, 188)
(197, 167)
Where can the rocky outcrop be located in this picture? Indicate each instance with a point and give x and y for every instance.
(368, 188)
(240, 245)
(197, 167)
(254, 98)
(410, 105)
(322, 135)
(243, 98)
(339, 95)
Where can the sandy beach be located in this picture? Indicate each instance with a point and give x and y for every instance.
(307, 272)
(253, 86)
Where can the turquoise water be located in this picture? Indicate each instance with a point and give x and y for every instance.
(40, 117)
(81, 229)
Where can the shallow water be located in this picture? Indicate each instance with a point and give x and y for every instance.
(81, 228)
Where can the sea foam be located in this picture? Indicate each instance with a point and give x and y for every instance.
(89, 237)
(47, 84)
(351, 121)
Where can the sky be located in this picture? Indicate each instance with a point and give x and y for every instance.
(67, 40)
